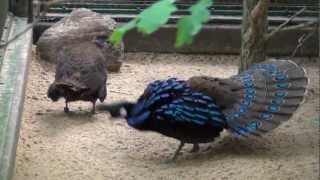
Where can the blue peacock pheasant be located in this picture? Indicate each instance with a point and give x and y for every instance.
(197, 110)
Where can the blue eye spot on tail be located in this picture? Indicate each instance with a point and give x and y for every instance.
(280, 94)
(277, 101)
(254, 126)
(248, 129)
(283, 85)
(249, 97)
(243, 109)
(273, 108)
(248, 84)
(281, 77)
(250, 91)
(247, 81)
(246, 102)
(266, 116)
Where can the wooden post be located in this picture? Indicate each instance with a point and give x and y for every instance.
(254, 28)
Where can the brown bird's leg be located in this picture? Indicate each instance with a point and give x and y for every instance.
(93, 110)
(177, 151)
(66, 108)
(195, 148)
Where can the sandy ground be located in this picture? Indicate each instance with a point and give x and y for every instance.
(56, 146)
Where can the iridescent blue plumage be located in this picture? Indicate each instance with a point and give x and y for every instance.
(171, 108)
(172, 103)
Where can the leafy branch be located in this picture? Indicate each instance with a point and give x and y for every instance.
(191, 25)
(152, 18)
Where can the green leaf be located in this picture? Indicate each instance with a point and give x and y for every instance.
(184, 36)
(191, 25)
(200, 14)
(117, 35)
(154, 16)
(158, 14)
(148, 21)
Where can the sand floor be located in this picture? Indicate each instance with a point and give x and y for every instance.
(56, 146)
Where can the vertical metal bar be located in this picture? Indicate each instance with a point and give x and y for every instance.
(20, 8)
(3, 14)
(30, 11)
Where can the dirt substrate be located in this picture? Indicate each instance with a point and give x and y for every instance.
(56, 146)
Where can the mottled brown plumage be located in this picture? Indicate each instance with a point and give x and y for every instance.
(224, 91)
(80, 75)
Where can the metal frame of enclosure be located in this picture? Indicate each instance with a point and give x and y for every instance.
(14, 58)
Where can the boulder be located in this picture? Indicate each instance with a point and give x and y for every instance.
(82, 25)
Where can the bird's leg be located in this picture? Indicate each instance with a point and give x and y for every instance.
(177, 151)
(93, 110)
(195, 148)
(66, 108)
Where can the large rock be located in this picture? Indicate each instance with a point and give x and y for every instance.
(82, 25)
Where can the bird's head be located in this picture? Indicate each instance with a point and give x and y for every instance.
(55, 92)
(134, 113)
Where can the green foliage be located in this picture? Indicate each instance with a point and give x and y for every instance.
(117, 35)
(158, 14)
(189, 26)
(148, 21)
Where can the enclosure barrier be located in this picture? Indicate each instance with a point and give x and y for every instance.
(14, 59)
(221, 35)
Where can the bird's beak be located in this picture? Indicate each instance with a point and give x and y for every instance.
(123, 112)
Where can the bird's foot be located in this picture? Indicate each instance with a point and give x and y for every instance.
(195, 148)
(66, 110)
(177, 152)
(174, 158)
(209, 148)
(93, 110)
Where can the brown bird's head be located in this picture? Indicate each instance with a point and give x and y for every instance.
(55, 92)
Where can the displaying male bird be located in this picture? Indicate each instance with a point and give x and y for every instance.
(80, 75)
(197, 110)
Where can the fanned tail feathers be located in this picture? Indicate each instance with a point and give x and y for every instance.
(272, 91)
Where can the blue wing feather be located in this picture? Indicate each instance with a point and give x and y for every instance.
(172, 100)
(192, 109)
